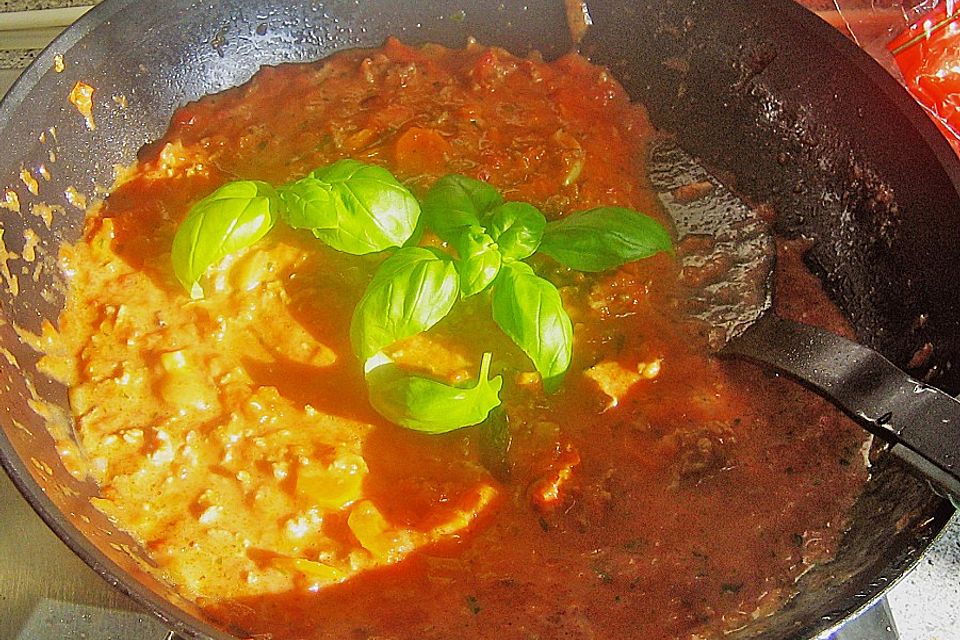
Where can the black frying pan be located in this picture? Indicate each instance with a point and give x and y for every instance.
(772, 99)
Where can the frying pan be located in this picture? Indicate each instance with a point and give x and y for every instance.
(775, 102)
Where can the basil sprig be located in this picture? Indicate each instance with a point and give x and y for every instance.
(410, 292)
(604, 238)
(491, 238)
(472, 216)
(230, 219)
(428, 405)
(359, 209)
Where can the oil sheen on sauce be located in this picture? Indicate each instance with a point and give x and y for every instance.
(660, 493)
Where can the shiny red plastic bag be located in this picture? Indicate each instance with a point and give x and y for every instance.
(928, 55)
(917, 41)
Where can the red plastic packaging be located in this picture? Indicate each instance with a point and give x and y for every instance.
(928, 55)
(918, 42)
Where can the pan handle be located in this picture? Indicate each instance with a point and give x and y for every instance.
(921, 422)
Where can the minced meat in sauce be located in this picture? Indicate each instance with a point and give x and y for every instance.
(661, 493)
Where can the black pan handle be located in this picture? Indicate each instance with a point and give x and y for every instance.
(921, 422)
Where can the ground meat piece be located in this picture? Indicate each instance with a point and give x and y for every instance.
(704, 453)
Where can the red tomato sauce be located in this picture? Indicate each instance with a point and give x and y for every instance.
(691, 507)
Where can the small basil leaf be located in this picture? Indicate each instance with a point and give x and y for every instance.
(309, 204)
(479, 261)
(427, 405)
(457, 202)
(529, 310)
(373, 210)
(517, 228)
(410, 292)
(604, 238)
(231, 218)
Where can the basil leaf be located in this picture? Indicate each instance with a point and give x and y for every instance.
(479, 261)
(410, 292)
(529, 310)
(231, 218)
(517, 228)
(309, 204)
(604, 238)
(373, 211)
(427, 405)
(457, 202)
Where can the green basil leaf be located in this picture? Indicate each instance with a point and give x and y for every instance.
(428, 405)
(410, 292)
(604, 238)
(373, 211)
(479, 261)
(529, 310)
(309, 204)
(517, 228)
(231, 218)
(455, 203)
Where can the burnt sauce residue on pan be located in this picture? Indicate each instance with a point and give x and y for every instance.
(660, 493)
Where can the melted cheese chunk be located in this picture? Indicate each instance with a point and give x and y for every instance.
(616, 380)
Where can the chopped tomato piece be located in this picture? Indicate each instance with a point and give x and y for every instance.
(546, 492)
(419, 151)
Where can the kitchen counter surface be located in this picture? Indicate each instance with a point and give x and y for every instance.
(21, 41)
(29, 5)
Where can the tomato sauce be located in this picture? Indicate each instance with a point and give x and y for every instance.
(661, 493)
